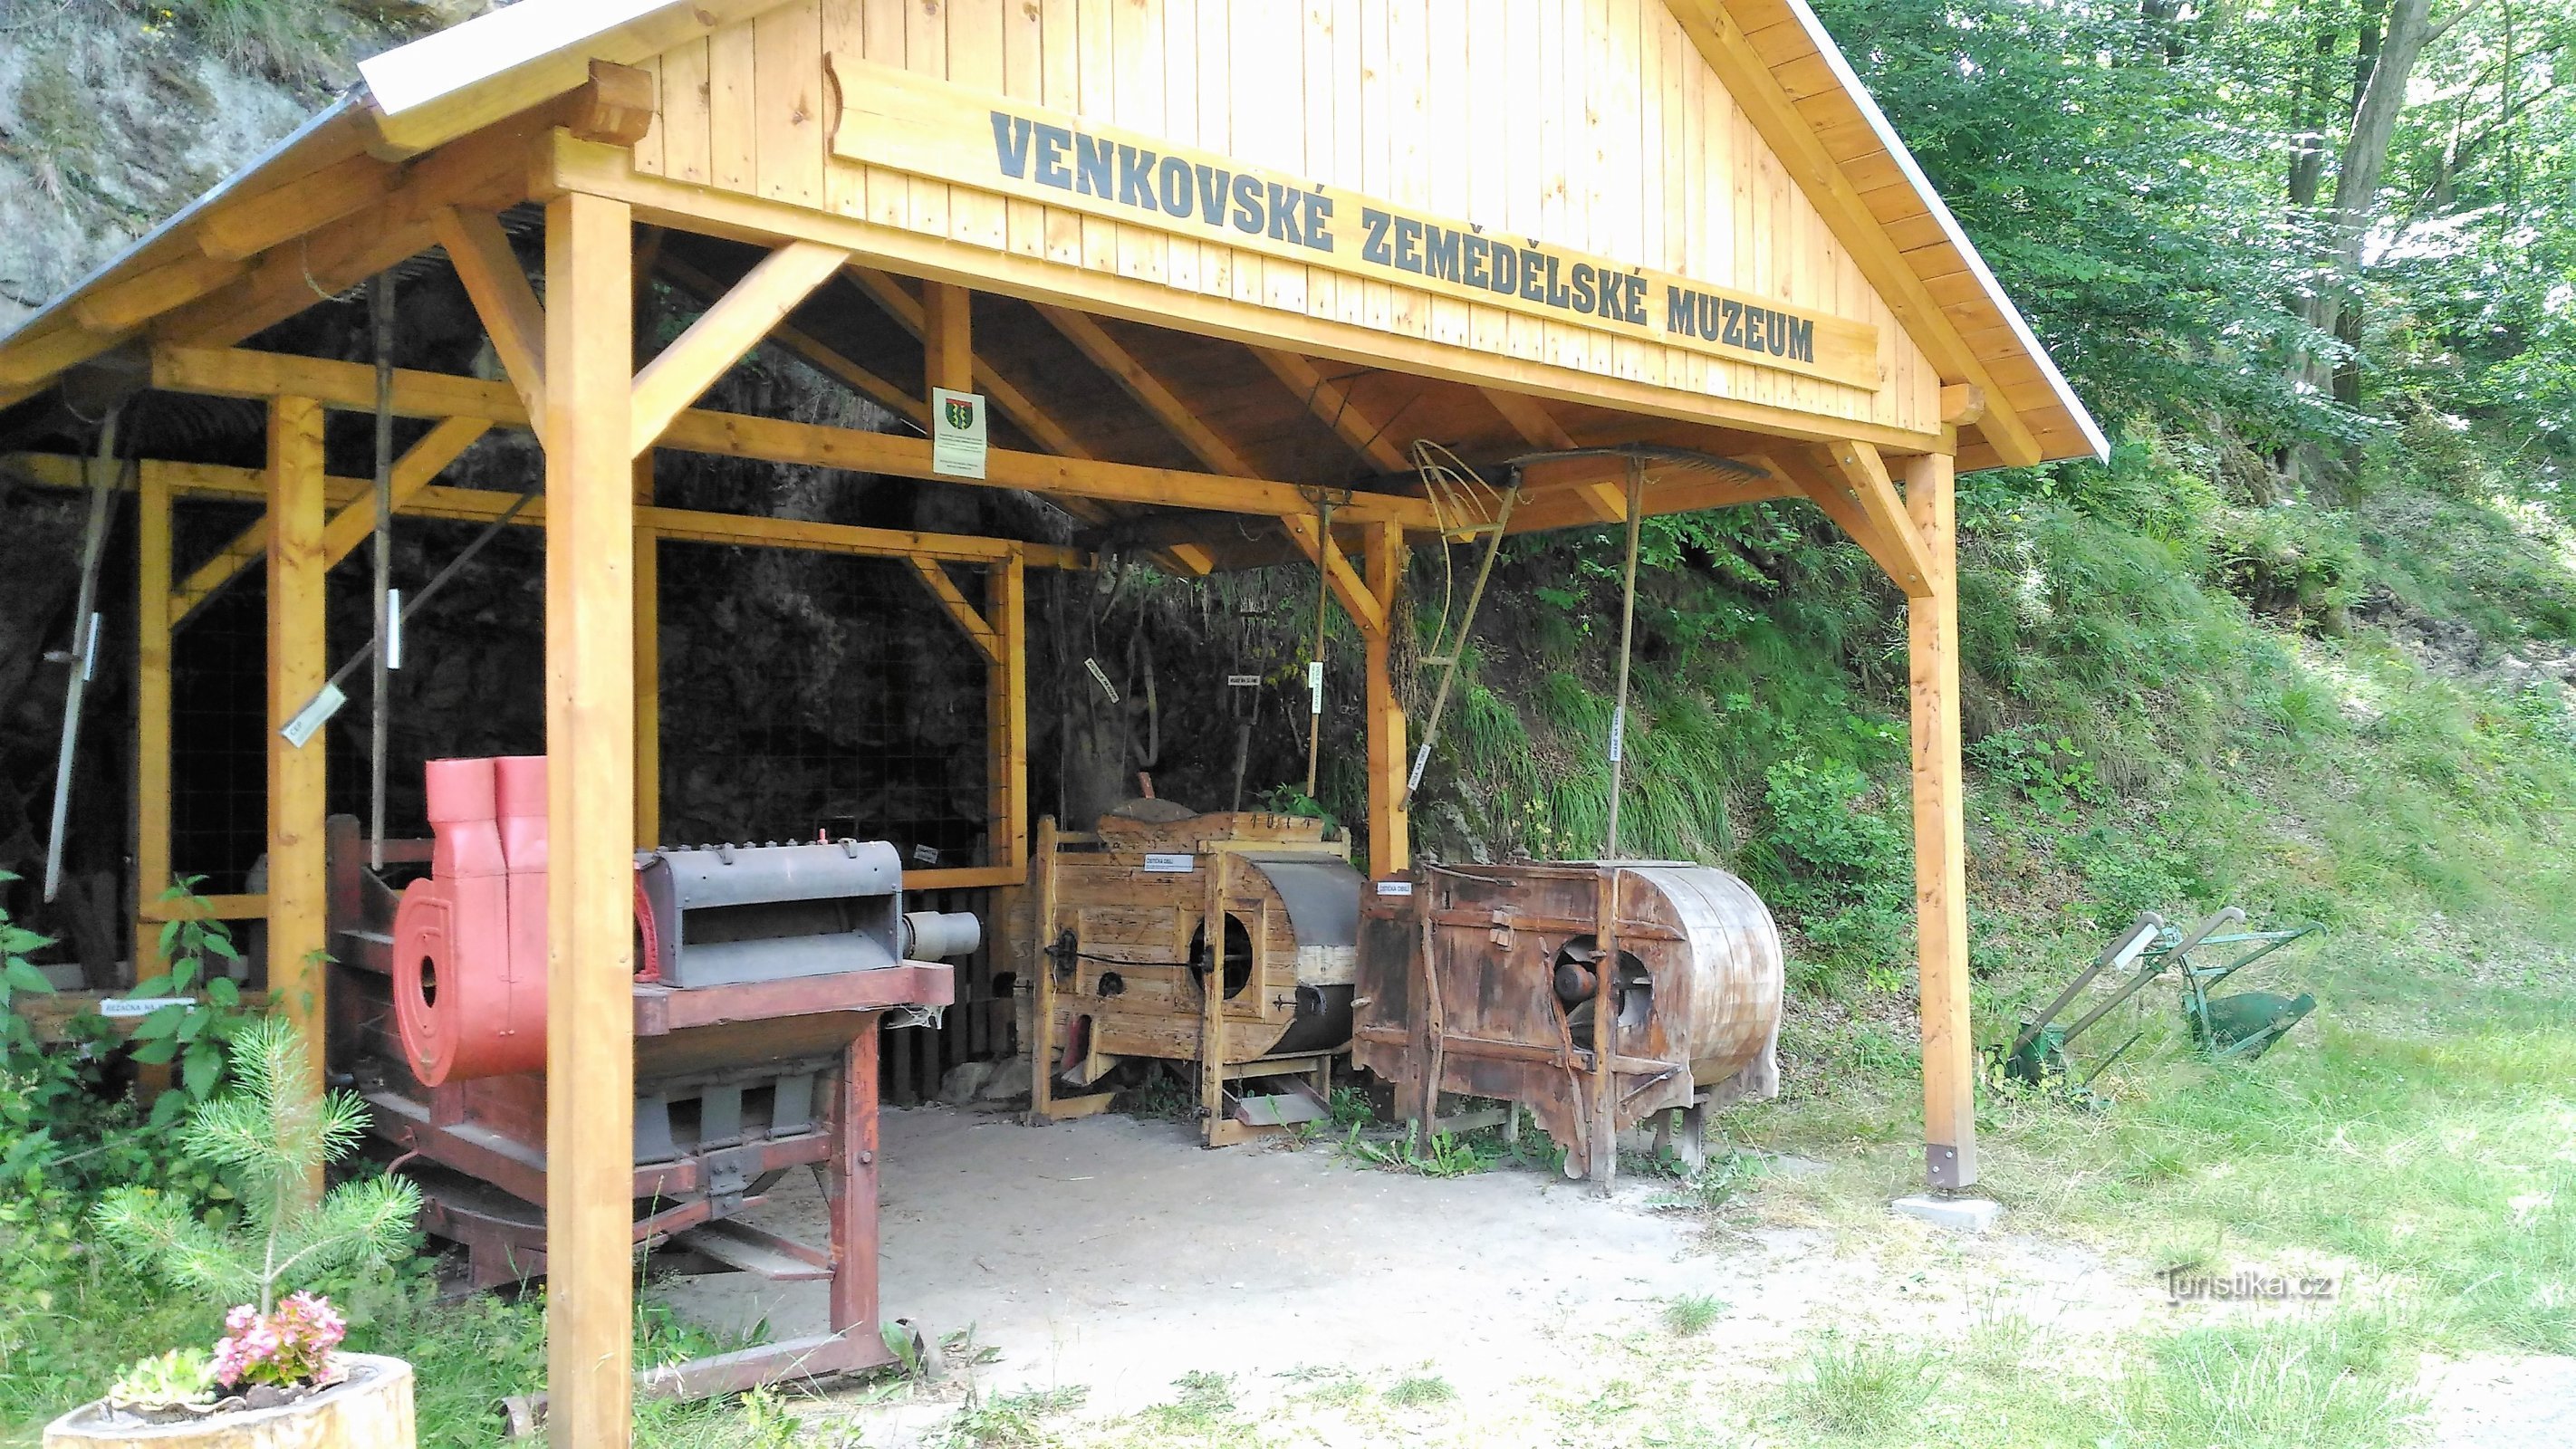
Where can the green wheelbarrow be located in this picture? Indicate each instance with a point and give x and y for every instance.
(2240, 1026)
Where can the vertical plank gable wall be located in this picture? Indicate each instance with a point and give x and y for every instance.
(1591, 124)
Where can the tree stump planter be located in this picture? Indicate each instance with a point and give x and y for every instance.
(370, 1409)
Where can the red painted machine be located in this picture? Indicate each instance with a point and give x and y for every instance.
(762, 974)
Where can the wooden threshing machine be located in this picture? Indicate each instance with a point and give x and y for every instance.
(1489, 981)
(762, 972)
(1225, 939)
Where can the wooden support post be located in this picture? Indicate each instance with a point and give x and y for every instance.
(298, 881)
(151, 711)
(947, 338)
(590, 822)
(648, 668)
(1390, 826)
(1007, 704)
(1940, 843)
(1040, 1044)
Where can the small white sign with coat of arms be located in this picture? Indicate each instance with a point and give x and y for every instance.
(956, 433)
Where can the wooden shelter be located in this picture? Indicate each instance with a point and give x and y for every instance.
(1212, 265)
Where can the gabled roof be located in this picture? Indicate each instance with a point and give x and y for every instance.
(1773, 55)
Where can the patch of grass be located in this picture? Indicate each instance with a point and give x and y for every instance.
(1204, 1404)
(1692, 1313)
(1013, 1421)
(2343, 1380)
(1864, 1388)
(1419, 1391)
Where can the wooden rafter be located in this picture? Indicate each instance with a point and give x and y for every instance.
(1607, 501)
(1331, 402)
(815, 352)
(1026, 415)
(239, 230)
(420, 463)
(512, 317)
(934, 577)
(1863, 475)
(1177, 417)
(234, 372)
(1365, 608)
(724, 332)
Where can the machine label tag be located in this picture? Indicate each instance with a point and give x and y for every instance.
(1395, 887)
(957, 436)
(1159, 863)
(119, 1008)
(1100, 677)
(926, 854)
(314, 716)
(1243, 681)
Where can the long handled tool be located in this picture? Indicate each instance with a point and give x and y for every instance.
(1315, 663)
(380, 308)
(83, 653)
(1627, 636)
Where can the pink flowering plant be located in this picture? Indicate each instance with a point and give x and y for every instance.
(288, 1347)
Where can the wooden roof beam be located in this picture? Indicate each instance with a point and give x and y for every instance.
(1331, 402)
(1849, 481)
(812, 350)
(1177, 417)
(723, 333)
(498, 286)
(1025, 414)
(1366, 609)
(1023, 411)
(234, 372)
(1539, 428)
(421, 463)
(934, 577)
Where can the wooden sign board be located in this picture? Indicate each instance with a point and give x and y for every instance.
(931, 128)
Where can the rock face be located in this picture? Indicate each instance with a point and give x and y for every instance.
(110, 121)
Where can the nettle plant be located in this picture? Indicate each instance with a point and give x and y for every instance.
(274, 1135)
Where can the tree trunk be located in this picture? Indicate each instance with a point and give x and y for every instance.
(2365, 159)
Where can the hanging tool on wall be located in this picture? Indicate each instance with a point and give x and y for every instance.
(82, 654)
(1627, 638)
(327, 700)
(1315, 662)
(1443, 474)
(388, 612)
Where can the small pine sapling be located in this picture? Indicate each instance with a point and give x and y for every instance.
(275, 1135)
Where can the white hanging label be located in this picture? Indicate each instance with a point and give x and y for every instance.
(89, 652)
(925, 854)
(1421, 758)
(1314, 686)
(1618, 731)
(957, 437)
(393, 628)
(1395, 887)
(1100, 676)
(1243, 681)
(314, 715)
(1159, 863)
(119, 1008)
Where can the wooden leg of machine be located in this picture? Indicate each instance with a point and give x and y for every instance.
(151, 713)
(1940, 846)
(590, 822)
(1041, 969)
(850, 1194)
(1212, 1010)
(299, 883)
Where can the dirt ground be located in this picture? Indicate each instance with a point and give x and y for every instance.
(1116, 1255)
